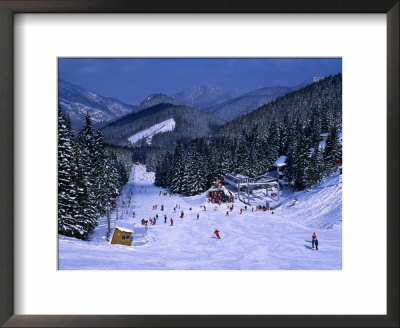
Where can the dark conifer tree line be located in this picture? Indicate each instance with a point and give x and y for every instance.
(250, 145)
(90, 177)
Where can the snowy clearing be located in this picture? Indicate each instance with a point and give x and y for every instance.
(164, 126)
(250, 241)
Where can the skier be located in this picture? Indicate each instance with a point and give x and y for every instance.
(151, 221)
(314, 236)
(216, 233)
(241, 210)
(227, 213)
(198, 215)
(172, 222)
(245, 207)
(316, 243)
(162, 207)
(182, 214)
(165, 219)
(133, 214)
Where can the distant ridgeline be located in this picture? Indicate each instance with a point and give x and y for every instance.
(90, 176)
(290, 126)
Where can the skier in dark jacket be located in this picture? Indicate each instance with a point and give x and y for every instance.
(316, 243)
(216, 233)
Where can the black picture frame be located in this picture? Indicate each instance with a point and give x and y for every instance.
(10, 7)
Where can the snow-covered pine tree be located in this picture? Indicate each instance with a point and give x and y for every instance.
(66, 189)
(332, 150)
(177, 170)
(100, 171)
(302, 162)
(85, 212)
(85, 177)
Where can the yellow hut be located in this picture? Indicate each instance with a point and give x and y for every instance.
(122, 236)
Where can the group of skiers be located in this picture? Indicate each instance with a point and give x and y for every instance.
(154, 207)
(152, 221)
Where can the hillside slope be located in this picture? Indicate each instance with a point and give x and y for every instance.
(190, 123)
(248, 102)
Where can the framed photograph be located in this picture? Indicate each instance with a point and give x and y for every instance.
(183, 164)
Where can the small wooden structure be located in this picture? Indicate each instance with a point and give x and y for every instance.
(122, 236)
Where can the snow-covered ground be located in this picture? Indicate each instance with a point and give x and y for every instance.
(164, 126)
(252, 240)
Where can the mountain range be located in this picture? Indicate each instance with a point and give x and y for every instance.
(206, 96)
(226, 105)
(76, 102)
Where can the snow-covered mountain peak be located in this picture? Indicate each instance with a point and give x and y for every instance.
(76, 102)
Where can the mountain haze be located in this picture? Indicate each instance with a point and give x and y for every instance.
(205, 96)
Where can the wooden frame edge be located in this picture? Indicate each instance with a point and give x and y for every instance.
(7, 10)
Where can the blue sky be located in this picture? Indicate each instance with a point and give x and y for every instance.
(133, 79)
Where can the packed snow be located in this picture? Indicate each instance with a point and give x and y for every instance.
(253, 240)
(164, 126)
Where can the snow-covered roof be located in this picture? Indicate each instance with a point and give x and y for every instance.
(124, 229)
(322, 144)
(280, 161)
(324, 135)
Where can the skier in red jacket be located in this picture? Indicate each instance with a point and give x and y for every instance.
(216, 233)
(314, 237)
(172, 221)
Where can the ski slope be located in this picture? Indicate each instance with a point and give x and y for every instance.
(250, 241)
(164, 126)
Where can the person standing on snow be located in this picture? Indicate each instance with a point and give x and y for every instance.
(198, 215)
(216, 233)
(316, 243)
(314, 236)
(172, 222)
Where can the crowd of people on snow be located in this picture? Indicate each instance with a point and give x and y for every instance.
(216, 197)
